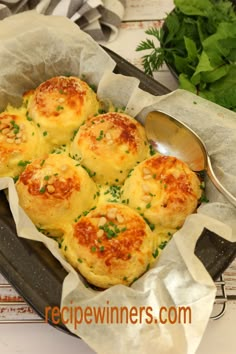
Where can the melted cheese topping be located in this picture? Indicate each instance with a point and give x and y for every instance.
(60, 105)
(54, 191)
(113, 245)
(19, 142)
(164, 190)
(110, 145)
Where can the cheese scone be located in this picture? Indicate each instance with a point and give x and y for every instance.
(59, 106)
(109, 146)
(111, 245)
(19, 142)
(164, 190)
(54, 191)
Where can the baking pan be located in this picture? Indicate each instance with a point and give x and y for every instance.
(37, 276)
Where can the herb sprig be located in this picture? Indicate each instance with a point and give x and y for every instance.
(198, 43)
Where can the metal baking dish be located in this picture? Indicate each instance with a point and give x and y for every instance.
(37, 276)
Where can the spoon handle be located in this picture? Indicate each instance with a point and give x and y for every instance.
(218, 185)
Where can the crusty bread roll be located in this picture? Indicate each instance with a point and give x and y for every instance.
(19, 142)
(110, 145)
(59, 106)
(164, 190)
(110, 245)
(53, 191)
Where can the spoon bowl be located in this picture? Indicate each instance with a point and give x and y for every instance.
(171, 137)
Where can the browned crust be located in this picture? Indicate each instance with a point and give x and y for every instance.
(127, 240)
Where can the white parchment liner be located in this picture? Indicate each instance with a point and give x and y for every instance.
(34, 48)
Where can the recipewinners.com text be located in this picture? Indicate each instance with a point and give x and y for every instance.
(108, 314)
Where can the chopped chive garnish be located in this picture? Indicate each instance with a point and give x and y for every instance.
(155, 253)
(42, 190)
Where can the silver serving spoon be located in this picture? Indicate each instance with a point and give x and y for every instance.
(171, 137)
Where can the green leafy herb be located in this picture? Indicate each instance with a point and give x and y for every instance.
(59, 108)
(74, 134)
(42, 190)
(152, 61)
(101, 111)
(198, 41)
(90, 173)
(203, 199)
(115, 192)
(162, 245)
(125, 201)
(111, 229)
(152, 226)
(60, 242)
(152, 151)
(23, 163)
(16, 127)
(155, 253)
(15, 179)
(101, 135)
(28, 117)
(93, 87)
(130, 172)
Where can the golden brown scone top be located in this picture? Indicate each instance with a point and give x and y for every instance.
(164, 189)
(110, 245)
(53, 191)
(40, 182)
(60, 105)
(110, 145)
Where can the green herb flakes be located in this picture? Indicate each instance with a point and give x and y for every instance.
(203, 199)
(155, 253)
(28, 117)
(90, 173)
(101, 135)
(42, 190)
(162, 245)
(23, 163)
(16, 127)
(152, 151)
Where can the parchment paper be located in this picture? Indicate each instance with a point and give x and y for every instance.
(34, 48)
